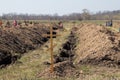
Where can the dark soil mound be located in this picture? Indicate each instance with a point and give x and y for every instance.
(16, 41)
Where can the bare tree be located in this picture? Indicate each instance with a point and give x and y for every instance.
(85, 14)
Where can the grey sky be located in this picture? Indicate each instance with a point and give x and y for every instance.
(56, 6)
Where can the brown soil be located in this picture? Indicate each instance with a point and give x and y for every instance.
(61, 69)
(116, 24)
(16, 41)
(63, 62)
(98, 46)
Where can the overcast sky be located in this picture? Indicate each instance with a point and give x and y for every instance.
(57, 6)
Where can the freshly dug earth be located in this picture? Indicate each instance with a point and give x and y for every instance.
(67, 51)
(63, 62)
(16, 41)
(98, 46)
(116, 24)
(61, 69)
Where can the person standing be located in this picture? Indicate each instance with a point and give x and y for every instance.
(14, 23)
(1, 23)
(8, 24)
(60, 25)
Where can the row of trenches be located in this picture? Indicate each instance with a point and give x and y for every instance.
(14, 42)
(63, 62)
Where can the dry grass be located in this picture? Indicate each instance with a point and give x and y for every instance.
(99, 73)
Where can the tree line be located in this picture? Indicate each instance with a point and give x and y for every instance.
(85, 15)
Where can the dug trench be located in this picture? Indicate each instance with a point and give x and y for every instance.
(14, 42)
(97, 47)
(63, 61)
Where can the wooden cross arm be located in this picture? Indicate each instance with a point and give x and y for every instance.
(48, 35)
(53, 47)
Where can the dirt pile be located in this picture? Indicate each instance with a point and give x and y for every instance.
(16, 41)
(61, 69)
(98, 46)
(116, 24)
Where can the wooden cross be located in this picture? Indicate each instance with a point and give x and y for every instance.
(51, 36)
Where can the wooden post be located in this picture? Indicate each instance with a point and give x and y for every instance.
(51, 49)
